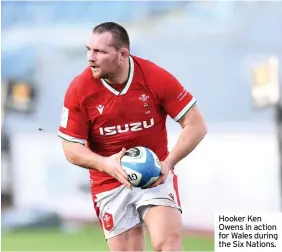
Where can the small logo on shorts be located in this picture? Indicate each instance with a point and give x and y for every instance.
(108, 221)
(171, 195)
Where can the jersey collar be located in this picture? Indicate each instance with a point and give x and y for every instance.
(128, 82)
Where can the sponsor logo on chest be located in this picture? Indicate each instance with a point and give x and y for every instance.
(123, 128)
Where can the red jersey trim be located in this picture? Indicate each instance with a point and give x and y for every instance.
(71, 139)
(185, 109)
(128, 83)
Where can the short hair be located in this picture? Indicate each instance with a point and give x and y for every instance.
(119, 33)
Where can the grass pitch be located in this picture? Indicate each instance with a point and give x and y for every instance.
(87, 239)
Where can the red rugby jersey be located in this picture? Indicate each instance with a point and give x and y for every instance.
(107, 119)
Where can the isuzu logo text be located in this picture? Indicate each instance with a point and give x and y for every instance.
(119, 129)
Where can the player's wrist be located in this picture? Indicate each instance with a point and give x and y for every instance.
(100, 163)
(169, 163)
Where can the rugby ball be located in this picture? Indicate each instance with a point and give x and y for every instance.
(142, 166)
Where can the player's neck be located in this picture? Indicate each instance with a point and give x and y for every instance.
(122, 76)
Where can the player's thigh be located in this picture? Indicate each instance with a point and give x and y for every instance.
(165, 227)
(119, 218)
(130, 240)
(161, 210)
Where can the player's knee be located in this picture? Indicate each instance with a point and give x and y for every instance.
(169, 243)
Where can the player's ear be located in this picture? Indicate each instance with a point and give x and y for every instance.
(124, 54)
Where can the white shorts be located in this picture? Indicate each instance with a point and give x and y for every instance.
(121, 209)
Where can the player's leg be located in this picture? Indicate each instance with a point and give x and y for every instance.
(130, 240)
(165, 228)
(160, 209)
(120, 220)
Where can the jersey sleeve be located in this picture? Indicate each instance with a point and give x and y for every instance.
(174, 98)
(73, 125)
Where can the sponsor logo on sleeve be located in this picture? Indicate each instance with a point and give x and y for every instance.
(64, 117)
(182, 95)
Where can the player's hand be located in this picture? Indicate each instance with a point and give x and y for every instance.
(112, 167)
(165, 168)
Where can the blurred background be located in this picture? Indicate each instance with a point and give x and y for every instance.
(226, 54)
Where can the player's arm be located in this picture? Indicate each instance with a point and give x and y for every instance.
(193, 131)
(79, 155)
(180, 105)
(74, 132)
